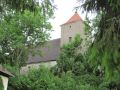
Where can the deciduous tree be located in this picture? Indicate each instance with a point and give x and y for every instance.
(22, 28)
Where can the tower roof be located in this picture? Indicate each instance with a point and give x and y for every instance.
(74, 18)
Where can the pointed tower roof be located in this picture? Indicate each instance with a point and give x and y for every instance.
(74, 18)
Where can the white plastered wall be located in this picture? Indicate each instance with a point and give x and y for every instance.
(37, 65)
(5, 81)
(71, 30)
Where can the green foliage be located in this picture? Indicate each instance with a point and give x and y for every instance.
(12, 69)
(98, 69)
(40, 79)
(43, 79)
(105, 48)
(31, 5)
(18, 5)
(19, 34)
(107, 6)
(69, 54)
(35, 80)
(23, 25)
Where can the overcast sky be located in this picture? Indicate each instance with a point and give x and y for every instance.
(62, 14)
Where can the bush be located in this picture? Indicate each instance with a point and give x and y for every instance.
(43, 79)
(36, 79)
(70, 54)
(73, 72)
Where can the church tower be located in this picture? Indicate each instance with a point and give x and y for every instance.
(75, 25)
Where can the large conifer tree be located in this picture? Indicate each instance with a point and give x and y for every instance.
(106, 46)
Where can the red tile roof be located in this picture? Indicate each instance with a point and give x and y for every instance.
(74, 18)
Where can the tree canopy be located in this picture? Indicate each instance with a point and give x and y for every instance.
(21, 5)
(23, 25)
(105, 49)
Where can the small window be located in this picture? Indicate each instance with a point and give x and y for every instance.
(70, 38)
(29, 67)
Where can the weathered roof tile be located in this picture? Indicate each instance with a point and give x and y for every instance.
(50, 52)
(74, 18)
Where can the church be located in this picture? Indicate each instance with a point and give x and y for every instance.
(75, 25)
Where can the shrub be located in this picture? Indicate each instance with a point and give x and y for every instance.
(43, 79)
(36, 79)
(69, 55)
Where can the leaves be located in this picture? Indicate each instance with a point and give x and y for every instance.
(20, 32)
(68, 54)
(105, 48)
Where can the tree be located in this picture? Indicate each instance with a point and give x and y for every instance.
(23, 25)
(46, 7)
(43, 79)
(105, 49)
(70, 56)
(20, 33)
(21, 5)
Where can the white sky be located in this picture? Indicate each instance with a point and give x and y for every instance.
(62, 14)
